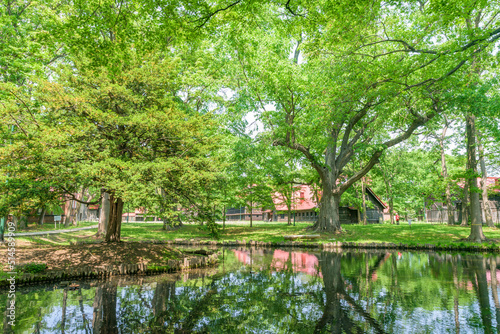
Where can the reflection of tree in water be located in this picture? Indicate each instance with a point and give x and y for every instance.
(427, 285)
(164, 297)
(240, 301)
(340, 305)
(104, 321)
(494, 292)
(476, 268)
(354, 292)
(471, 272)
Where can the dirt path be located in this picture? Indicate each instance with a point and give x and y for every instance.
(95, 255)
(27, 234)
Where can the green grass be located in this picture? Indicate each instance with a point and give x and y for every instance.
(56, 239)
(261, 231)
(419, 233)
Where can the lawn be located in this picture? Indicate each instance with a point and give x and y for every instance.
(424, 233)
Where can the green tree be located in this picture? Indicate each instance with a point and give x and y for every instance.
(365, 90)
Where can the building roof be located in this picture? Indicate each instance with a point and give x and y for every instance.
(493, 183)
(304, 199)
(376, 197)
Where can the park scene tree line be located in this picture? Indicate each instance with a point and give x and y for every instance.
(183, 107)
(249, 166)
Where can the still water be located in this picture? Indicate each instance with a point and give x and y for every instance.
(279, 291)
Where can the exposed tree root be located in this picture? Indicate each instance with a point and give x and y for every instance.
(319, 229)
(481, 240)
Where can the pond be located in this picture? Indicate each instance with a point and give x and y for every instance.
(279, 291)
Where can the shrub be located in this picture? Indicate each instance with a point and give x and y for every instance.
(34, 268)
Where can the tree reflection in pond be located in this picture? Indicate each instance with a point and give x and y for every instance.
(280, 291)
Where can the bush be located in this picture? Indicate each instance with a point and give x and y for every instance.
(213, 229)
(33, 268)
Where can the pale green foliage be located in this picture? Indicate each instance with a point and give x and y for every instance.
(121, 113)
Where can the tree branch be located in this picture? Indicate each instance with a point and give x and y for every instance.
(72, 197)
(349, 150)
(27, 107)
(304, 150)
(19, 126)
(287, 6)
(374, 159)
(206, 18)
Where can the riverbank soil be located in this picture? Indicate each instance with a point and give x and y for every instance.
(93, 255)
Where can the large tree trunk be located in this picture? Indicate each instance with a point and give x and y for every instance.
(484, 185)
(163, 200)
(42, 216)
(476, 233)
(73, 210)
(23, 222)
(290, 205)
(444, 173)
(104, 216)
(15, 220)
(465, 200)
(465, 204)
(67, 212)
(78, 206)
(115, 219)
(328, 218)
(358, 207)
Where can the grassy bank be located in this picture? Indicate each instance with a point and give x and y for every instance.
(419, 233)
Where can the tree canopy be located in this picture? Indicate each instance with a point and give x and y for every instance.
(147, 100)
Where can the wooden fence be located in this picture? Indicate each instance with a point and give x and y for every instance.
(438, 214)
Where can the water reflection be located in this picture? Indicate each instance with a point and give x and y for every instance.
(280, 291)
